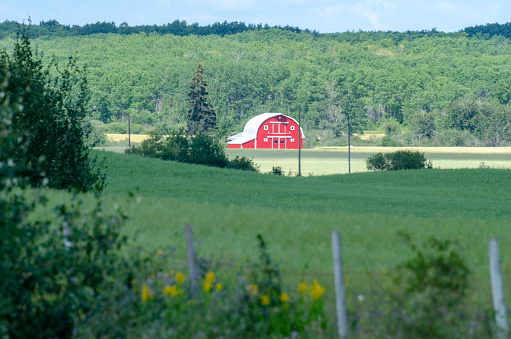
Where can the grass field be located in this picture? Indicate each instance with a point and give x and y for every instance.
(332, 160)
(296, 215)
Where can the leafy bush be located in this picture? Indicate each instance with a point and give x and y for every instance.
(254, 304)
(399, 160)
(205, 151)
(429, 293)
(276, 170)
(243, 163)
(424, 297)
(377, 162)
(200, 149)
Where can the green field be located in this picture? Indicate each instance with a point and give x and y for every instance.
(296, 215)
(334, 160)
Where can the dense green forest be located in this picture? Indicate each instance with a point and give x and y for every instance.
(428, 88)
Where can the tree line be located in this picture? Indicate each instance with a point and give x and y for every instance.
(431, 88)
(178, 27)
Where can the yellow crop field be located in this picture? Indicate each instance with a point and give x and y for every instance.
(134, 137)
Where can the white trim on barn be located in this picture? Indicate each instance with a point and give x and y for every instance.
(252, 127)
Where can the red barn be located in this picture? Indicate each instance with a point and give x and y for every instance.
(269, 131)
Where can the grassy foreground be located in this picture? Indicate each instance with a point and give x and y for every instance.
(296, 215)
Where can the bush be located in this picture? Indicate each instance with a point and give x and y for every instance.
(430, 291)
(423, 297)
(162, 303)
(243, 163)
(377, 162)
(276, 170)
(399, 160)
(200, 150)
(205, 151)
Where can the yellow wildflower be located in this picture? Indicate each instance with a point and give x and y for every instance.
(207, 286)
(160, 252)
(253, 290)
(146, 293)
(265, 299)
(180, 278)
(302, 287)
(316, 290)
(283, 297)
(171, 290)
(218, 287)
(208, 281)
(171, 272)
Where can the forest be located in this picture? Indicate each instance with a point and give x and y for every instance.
(417, 88)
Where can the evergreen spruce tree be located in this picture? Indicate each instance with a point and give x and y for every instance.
(201, 117)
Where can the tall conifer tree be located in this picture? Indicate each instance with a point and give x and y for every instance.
(201, 117)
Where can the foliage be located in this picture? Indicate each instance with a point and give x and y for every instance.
(205, 151)
(201, 117)
(243, 163)
(254, 304)
(55, 29)
(200, 150)
(398, 160)
(51, 110)
(276, 170)
(377, 162)
(426, 296)
(52, 264)
(418, 79)
(430, 292)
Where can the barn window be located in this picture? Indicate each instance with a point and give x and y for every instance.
(265, 139)
(292, 128)
(283, 141)
(265, 127)
(292, 140)
(275, 141)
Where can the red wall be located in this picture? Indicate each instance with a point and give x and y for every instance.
(282, 133)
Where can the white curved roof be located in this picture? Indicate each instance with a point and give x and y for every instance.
(252, 126)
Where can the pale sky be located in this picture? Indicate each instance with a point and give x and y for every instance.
(322, 15)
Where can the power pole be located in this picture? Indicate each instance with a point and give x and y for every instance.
(349, 145)
(129, 131)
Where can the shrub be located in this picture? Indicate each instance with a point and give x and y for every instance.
(276, 170)
(200, 150)
(205, 151)
(399, 160)
(423, 297)
(430, 292)
(162, 303)
(243, 163)
(377, 162)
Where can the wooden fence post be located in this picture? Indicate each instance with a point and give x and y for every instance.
(340, 301)
(192, 264)
(497, 289)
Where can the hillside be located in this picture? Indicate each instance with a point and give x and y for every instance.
(428, 88)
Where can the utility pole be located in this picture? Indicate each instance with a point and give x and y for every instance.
(349, 145)
(129, 131)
